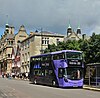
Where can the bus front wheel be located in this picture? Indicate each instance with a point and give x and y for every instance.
(35, 81)
(53, 83)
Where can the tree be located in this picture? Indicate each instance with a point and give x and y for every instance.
(70, 45)
(51, 48)
(90, 48)
(94, 46)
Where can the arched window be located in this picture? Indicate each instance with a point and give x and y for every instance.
(18, 41)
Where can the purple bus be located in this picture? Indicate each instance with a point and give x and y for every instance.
(61, 68)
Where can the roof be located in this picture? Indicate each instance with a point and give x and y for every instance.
(74, 34)
(41, 55)
(57, 52)
(44, 33)
(65, 51)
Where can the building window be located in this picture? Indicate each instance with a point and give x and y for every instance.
(28, 42)
(25, 45)
(11, 32)
(9, 55)
(18, 41)
(22, 46)
(42, 41)
(28, 56)
(8, 42)
(57, 41)
(11, 42)
(45, 41)
(25, 57)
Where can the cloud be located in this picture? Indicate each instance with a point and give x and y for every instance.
(96, 29)
(52, 15)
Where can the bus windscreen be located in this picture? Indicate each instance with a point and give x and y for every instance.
(74, 73)
(73, 55)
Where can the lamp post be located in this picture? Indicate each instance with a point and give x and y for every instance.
(96, 74)
(89, 76)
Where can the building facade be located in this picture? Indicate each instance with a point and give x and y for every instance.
(35, 44)
(71, 35)
(10, 49)
(16, 54)
(6, 45)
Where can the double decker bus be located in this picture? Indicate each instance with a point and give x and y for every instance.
(61, 68)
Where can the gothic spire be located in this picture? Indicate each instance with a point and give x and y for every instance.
(78, 30)
(69, 29)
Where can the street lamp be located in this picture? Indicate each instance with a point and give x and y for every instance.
(96, 74)
(89, 76)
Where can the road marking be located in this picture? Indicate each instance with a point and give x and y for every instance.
(4, 95)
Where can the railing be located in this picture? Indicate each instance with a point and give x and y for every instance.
(93, 81)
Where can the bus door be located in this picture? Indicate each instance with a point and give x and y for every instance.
(60, 76)
(58, 60)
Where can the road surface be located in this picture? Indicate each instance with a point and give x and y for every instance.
(10, 88)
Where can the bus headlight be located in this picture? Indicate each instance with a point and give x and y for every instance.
(65, 78)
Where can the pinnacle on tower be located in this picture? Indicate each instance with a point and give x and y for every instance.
(7, 25)
(69, 26)
(69, 30)
(78, 30)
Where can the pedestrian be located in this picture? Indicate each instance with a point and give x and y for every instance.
(26, 75)
(2, 74)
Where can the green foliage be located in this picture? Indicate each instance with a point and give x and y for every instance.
(90, 48)
(93, 49)
(69, 45)
(51, 48)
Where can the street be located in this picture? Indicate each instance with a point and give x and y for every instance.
(10, 88)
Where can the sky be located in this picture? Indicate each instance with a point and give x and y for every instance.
(51, 15)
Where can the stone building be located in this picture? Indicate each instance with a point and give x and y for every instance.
(10, 49)
(35, 44)
(16, 54)
(71, 35)
(6, 45)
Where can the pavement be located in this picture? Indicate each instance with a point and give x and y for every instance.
(93, 88)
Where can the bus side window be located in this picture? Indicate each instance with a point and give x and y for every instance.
(61, 56)
(42, 73)
(50, 72)
(46, 72)
(58, 56)
(55, 57)
(36, 72)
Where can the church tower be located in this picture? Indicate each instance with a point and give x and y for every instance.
(7, 28)
(78, 32)
(69, 30)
